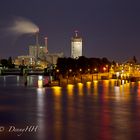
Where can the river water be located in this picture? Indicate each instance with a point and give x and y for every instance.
(96, 110)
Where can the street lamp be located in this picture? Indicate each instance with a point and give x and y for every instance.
(57, 70)
(70, 70)
(80, 70)
(95, 69)
(104, 69)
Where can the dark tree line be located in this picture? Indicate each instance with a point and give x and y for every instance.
(82, 65)
(7, 63)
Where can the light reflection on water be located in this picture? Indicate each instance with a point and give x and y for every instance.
(97, 110)
(95, 88)
(88, 86)
(70, 89)
(41, 112)
(80, 88)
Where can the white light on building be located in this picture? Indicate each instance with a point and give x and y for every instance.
(41, 51)
(76, 46)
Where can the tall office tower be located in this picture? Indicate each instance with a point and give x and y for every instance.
(76, 46)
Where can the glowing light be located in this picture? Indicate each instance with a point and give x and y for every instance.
(138, 90)
(117, 92)
(88, 87)
(76, 47)
(95, 69)
(104, 68)
(106, 86)
(40, 90)
(88, 84)
(40, 83)
(40, 111)
(95, 84)
(57, 90)
(88, 69)
(70, 70)
(112, 82)
(80, 88)
(70, 88)
(117, 74)
(40, 77)
(123, 82)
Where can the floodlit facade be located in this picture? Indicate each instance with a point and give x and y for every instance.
(53, 57)
(76, 46)
(25, 60)
(40, 53)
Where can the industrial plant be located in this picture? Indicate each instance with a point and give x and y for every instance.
(40, 57)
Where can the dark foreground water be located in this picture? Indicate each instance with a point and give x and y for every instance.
(90, 111)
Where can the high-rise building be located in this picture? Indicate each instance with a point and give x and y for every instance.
(76, 46)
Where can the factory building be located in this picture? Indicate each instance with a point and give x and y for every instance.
(38, 52)
(53, 57)
(76, 46)
(25, 60)
(38, 55)
(41, 53)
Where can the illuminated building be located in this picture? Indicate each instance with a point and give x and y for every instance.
(42, 54)
(53, 57)
(38, 51)
(76, 46)
(42, 51)
(25, 60)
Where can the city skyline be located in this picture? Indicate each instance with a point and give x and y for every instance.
(108, 28)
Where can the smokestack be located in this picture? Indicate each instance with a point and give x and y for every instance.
(37, 43)
(46, 44)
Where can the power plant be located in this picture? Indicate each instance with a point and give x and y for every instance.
(38, 51)
(39, 55)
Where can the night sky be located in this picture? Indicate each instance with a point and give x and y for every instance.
(109, 28)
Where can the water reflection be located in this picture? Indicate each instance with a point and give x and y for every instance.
(70, 89)
(58, 112)
(88, 85)
(95, 88)
(105, 87)
(80, 88)
(57, 91)
(99, 110)
(41, 112)
(18, 80)
(117, 92)
(138, 90)
(4, 80)
(112, 83)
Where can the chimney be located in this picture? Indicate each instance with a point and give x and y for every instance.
(46, 44)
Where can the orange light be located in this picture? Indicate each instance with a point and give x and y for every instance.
(104, 68)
